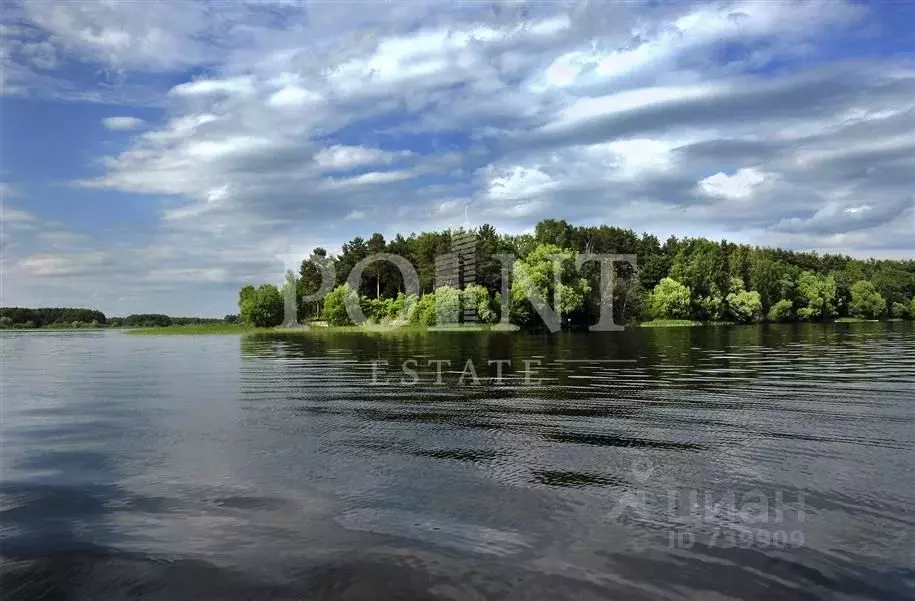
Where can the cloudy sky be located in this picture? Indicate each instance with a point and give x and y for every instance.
(156, 156)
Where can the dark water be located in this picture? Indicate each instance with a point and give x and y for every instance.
(686, 463)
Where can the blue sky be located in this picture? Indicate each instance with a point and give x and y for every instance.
(156, 156)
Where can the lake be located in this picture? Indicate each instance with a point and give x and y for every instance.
(769, 462)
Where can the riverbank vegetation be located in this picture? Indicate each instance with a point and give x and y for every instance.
(202, 328)
(680, 280)
(47, 317)
(57, 318)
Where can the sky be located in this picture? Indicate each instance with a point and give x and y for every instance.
(158, 155)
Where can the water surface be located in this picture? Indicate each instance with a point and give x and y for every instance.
(682, 463)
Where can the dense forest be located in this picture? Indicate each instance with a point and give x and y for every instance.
(18, 317)
(677, 279)
(22, 318)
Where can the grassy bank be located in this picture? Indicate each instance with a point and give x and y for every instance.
(197, 329)
(216, 329)
(317, 330)
(670, 323)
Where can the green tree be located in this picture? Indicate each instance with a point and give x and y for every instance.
(669, 300)
(422, 310)
(893, 283)
(376, 244)
(245, 294)
(701, 266)
(447, 305)
(900, 311)
(477, 296)
(263, 308)
(781, 311)
(711, 305)
(488, 268)
(310, 282)
(745, 306)
(817, 294)
(335, 305)
(534, 281)
(866, 301)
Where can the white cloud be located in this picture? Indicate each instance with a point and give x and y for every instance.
(55, 265)
(122, 123)
(697, 119)
(739, 186)
(293, 96)
(341, 158)
(232, 86)
(12, 215)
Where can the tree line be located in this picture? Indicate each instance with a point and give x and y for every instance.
(47, 317)
(680, 278)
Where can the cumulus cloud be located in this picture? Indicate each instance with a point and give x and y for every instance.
(739, 186)
(287, 128)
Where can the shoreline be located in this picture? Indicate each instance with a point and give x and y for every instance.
(382, 329)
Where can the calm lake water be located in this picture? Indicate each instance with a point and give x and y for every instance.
(683, 463)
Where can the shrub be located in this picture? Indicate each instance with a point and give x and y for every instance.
(447, 305)
(781, 311)
(745, 306)
(335, 305)
(669, 300)
(423, 311)
(263, 307)
(477, 296)
(866, 301)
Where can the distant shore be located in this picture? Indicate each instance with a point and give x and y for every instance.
(218, 329)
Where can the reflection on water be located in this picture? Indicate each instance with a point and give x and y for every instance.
(743, 462)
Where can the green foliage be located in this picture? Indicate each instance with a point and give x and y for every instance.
(669, 300)
(447, 305)
(20, 317)
(477, 296)
(893, 283)
(866, 301)
(423, 311)
(384, 310)
(669, 323)
(146, 320)
(711, 306)
(900, 311)
(261, 307)
(534, 275)
(744, 306)
(817, 294)
(335, 305)
(783, 310)
(701, 266)
(789, 284)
